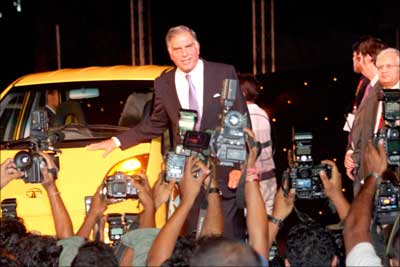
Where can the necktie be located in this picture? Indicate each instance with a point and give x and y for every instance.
(193, 104)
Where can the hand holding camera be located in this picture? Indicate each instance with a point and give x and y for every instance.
(162, 189)
(194, 174)
(333, 184)
(9, 172)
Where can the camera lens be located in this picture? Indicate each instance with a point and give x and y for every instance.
(23, 160)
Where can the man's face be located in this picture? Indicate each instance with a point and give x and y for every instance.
(184, 51)
(356, 62)
(388, 69)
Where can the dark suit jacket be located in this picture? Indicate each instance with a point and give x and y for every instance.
(166, 107)
(363, 130)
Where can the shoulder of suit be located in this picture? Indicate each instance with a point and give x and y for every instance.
(166, 74)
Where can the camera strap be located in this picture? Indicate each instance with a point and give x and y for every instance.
(203, 210)
(240, 199)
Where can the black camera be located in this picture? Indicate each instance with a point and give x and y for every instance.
(303, 174)
(228, 143)
(390, 132)
(387, 202)
(9, 208)
(119, 186)
(193, 143)
(116, 227)
(30, 161)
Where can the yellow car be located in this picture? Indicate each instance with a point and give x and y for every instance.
(90, 104)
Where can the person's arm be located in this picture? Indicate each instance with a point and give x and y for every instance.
(333, 189)
(8, 172)
(257, 224)
(214, 220)
(164, 243)
(62, 220)
(146, 218)
(97, 208)
(162, 190)
(358, 220)
(283, 206)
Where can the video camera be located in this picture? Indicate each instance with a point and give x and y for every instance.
(119, 186)
(390, 132)
(228, 143)
(303, 174)
(30, 162)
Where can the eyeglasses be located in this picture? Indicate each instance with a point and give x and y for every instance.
(387, 66)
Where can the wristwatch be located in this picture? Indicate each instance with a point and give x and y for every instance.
(54, 172)
(274, 220)
(215, 190)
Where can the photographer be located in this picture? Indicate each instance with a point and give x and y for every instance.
(357, 235)
(8, 172)
(195, 176)
(333, 189)
(62, 220)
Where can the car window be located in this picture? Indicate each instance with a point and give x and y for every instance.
(10, 111)
(118, 105)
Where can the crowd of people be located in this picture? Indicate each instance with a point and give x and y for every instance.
(230, 235)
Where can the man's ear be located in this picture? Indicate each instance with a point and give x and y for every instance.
(287, 263)
(334, 261)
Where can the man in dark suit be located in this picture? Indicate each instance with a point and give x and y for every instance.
(368, 117)
(365, 51)
(172, 92)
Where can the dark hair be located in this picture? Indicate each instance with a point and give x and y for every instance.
(95, 253)
(249, 85)
(182, 253)
(8, 259)
(221, 251)
(38, 250)
(369, 45)
(11, 230)
(310, 245)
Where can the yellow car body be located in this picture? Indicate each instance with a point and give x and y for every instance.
(80, 171)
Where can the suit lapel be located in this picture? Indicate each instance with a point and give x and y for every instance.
(211, 97)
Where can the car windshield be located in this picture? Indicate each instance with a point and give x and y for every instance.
(83, 110)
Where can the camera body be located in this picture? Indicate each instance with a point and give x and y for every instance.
(30, 161)
(119, 186)
(228, 143)
(390, 133)
(193, 143)
(303, 174)
(387, 202)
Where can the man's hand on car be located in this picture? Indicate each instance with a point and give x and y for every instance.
(107, 145)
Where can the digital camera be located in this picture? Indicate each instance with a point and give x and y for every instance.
(307, 181)
(390, 132)
(193, 143)
(119, 186)
(228, 143)
(387, 202)
(303, 174)
(30, 161)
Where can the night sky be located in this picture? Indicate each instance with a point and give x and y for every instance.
(309, 34)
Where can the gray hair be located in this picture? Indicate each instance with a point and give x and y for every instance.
(390, 50)
(177, 30)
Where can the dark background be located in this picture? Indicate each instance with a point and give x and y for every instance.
(313, 45)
